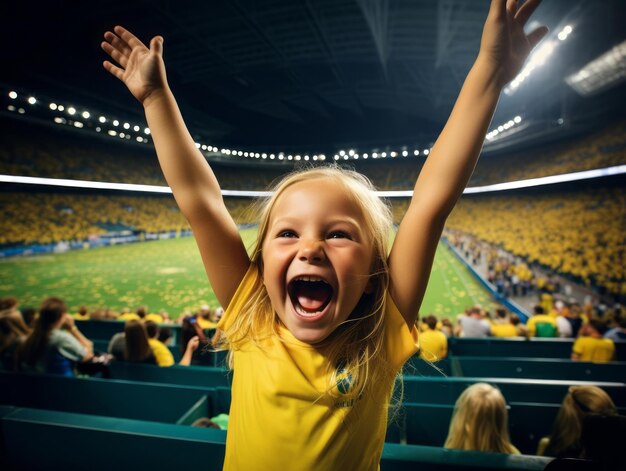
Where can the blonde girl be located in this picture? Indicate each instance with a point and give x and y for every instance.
(579, 402)
(320, 319)
(480, 421)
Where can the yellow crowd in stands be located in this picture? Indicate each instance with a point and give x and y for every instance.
(76, 156)
(581, 233)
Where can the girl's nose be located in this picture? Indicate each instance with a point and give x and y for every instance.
(312, 251)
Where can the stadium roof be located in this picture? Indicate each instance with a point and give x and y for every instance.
(308, 75)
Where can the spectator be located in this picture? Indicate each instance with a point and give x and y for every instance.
(579, 402)
(190, 329)
(541, 324)
(561, 313)
(480, 421)
(433, 343)
(617, 334)
(29, 315)
(591, 345)
(520, 328)
(446, 328)
(117, 346)
(472, 324)
(137, 346)
(82, 314)
(13, 333)
(55, 344)
(575, 318)
(502, 325)
(165, 335)
(161, 353)
(206, 317)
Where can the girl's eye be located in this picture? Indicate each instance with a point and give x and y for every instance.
(287, 234)
(339, 235)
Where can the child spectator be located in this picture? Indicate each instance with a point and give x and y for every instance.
(321, 317)
(480, 421)
(161, 353)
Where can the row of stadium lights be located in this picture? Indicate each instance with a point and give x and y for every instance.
(538, 58)
(125, 133)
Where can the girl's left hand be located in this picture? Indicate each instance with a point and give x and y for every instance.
(504, 43)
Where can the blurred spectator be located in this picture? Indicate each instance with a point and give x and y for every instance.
(55, 344)
(165, 335)
(189, 330)
(433, 343)
(563, 324)
(502, 325)
(161, 353)
(480, 421)
(29, 315)
(82, 314)
(472, 324)
(137, 346)
(446, 328)
(206, 317)
(541, 324)
(591, 345)
(13, 333)
(618, 333)
(579, 402)
(520, 328)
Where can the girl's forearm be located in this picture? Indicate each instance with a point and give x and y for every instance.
(184, 167)
(453, 158)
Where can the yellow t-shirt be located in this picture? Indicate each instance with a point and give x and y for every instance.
(158, 318)
(593, 349)
(503, 330)
(542, 325)
(161, 353)
(205, 323)
(280, 416)
(433, 345)
(128, 316)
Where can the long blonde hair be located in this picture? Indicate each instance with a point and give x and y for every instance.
(578, 402)
(354, 348)
(480, 421)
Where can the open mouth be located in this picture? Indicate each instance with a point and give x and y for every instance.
(310, 295)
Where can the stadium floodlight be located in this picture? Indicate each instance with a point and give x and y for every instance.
(60, 108)
(21, 110)
(272, 156)
(12, 95)
(426, 151)
(71, 111)
(86, 114)
(116, 123)
(383, 155)
(365, 155)
(606, 71)
(342, 153)
(52, 106)
(78, 124)
(136, 128)
(416, 152)
(147, 131)
(538, 58)
(351, 152)
(126, 126)
(59, 120)
(112, 133)
(31, 100)
(102, 119)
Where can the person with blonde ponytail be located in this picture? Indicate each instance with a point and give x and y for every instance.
(480, 421)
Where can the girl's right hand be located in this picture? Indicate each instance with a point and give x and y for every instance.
(141, 69)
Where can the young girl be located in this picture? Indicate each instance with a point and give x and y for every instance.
(322, 317)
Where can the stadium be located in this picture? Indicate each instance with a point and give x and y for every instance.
(534, 247)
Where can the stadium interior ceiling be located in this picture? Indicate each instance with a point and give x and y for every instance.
(311, 75)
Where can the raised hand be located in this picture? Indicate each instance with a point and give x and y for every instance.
(504, 43)
(141, 69)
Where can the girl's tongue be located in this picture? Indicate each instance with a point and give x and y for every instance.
(312, 296)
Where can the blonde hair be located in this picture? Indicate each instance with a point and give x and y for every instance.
(354, 348)
(578, 402)
(480, 421)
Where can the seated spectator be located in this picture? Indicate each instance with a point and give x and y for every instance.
(433, 343)
(541, 324)
(561, 313)
(480, 421)
(137, 346)
(190, 329)
(206, 317)
(161, 353)
(55, 344)
(82, 314)
(617, 334)
(575, 318)
(117, 346)
(520, 328)
(29, 315)
(591, 345)
(502, 326)
(579, 402)
(13, 333)
(8, 306)
(446, 328)
(154, 317)
(165, 335)
(192, 346)
(472, 324)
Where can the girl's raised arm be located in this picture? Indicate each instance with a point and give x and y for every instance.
(187, 172)
(504, 48)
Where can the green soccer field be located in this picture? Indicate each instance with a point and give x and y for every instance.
(169, 275)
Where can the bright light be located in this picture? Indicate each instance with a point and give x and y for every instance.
(136, 128)
(517, 119)
(86, 114)
(59, 120)
(71, 111)
(383, 155)
(78, 124)
(52, 106)
(21, 110)
(116, 122)
(12, 95)
(336, 157)
(60, 108)
(147, 131)
(197, 145)
(32, 100)
(126, 126)
(342, 153)
(98, 129)
(351, 152)
(102, 119)
(404, 153)
(139, 139)
(416, 152)
(112, 133)
(426, 151)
